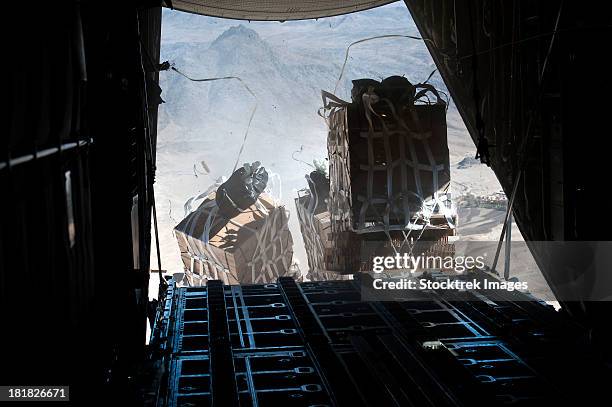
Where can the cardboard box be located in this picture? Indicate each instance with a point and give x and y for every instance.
(253, 247)
(388, 168)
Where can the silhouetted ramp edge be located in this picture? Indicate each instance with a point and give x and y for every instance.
(275, 10)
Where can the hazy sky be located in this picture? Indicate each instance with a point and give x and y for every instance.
(286, 65)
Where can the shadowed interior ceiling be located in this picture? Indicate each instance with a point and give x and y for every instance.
(273, 10)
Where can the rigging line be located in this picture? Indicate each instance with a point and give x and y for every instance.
(149, 159)
(346, 55)
(550, 46)
(482, 148)
(430, 76)
(246, 134)
(541, 86)
(524, 144)
(170, 211)
(143, 47)
(215, 79)
(298, 160)
(511, 43)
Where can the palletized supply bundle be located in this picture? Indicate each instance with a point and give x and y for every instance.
(237, 235)
(389, 170)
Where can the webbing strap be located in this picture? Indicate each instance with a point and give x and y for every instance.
(273, 243)
(393, 129)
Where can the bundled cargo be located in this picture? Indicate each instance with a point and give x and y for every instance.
(389, 172)
(315, 225)
(237, 235)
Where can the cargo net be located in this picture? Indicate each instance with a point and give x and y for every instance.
(236, 241)
(306, 207)
(315, 226)
(389, 163)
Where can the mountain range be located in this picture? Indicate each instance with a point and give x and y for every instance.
(202, 125)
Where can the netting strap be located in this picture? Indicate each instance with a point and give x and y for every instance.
(315, 249)
(419, 220)
(268, 237)
(271, 236)
(243, 83)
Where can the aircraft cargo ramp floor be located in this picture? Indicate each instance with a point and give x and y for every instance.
(318, 344)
